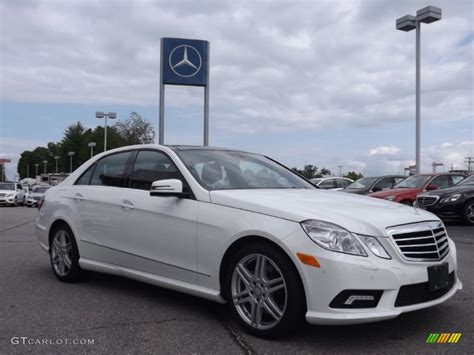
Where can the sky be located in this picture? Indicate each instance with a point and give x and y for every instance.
(328, 83)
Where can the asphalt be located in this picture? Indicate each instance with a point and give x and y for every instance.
(120, 316)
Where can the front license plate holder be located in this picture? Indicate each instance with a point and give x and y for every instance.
(438, 276)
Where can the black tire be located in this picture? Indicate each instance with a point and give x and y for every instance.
(467, 212)
(407, 202)
(73, 272)
(295, 309)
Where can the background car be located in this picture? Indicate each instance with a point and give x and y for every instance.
(452, 202)
(366, 185)
(36, 195)
(11, 193)
(406, 191)
(332, 183)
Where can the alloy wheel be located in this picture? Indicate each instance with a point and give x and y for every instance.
(259, 291)
(61, 252)
(470, 212)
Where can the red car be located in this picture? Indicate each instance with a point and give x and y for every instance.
(406, 191)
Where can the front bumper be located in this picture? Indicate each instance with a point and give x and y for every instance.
(31, 202)
(7, 200)
(339, 272)
(446, 210)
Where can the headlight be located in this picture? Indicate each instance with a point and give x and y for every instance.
(451, 198)
(375, 247)
(390, 198)
(331, 236)
(10, 194)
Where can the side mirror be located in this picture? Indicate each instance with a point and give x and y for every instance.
(168, 187)
(431, 187)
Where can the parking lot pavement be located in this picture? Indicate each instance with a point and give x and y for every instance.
(125, 316)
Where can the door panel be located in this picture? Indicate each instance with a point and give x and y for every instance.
(158, 234)
(97, 197)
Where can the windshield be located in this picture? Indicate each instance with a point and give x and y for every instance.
(467, 181)
(7, 186)
(226, 170)
(40, 190)
(362, 183)
(417, 181)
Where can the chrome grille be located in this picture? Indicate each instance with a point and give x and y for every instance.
(2, 194)
(426, 241)
(424, 201)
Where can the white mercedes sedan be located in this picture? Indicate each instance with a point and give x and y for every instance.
(237, 227)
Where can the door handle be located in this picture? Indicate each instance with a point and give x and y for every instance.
(127, 205)
(78, 197)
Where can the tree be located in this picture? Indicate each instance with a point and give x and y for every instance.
(311, 171)
(28, 159)
(135, 130)
(353, 175)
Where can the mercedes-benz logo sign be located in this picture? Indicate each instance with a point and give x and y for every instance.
(185, 61)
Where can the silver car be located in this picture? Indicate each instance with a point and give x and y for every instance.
(36, 195)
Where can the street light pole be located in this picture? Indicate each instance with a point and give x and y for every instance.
(45, 170)
(36, 168)
(56, 158)
(407, 23)
(70, 161)
(92, 145)
(111, 115)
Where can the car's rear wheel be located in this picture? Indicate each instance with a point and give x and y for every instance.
(64, 254)
(265, 291)
(468, 212)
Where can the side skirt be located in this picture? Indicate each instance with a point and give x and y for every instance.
(166, 282)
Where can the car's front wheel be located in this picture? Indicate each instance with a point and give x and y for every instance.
(64, 254)
(265, 291)
(468, 212)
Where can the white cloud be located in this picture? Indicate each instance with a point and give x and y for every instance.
(384, 150)
(276, 66)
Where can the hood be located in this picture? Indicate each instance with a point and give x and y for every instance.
(356, 213)
(36, 194)
(396, 192)
(7, 191)
(451, 191)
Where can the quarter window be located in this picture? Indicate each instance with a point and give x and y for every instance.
(151, 166)
(111, 171)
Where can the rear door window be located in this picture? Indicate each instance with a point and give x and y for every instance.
(111, 171)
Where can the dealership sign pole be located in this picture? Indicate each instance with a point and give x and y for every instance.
(184, 62)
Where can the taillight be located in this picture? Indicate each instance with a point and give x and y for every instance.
(40, 203)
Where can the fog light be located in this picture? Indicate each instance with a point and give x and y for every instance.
(357, 299)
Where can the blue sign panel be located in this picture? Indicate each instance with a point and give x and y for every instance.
(184, 61)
